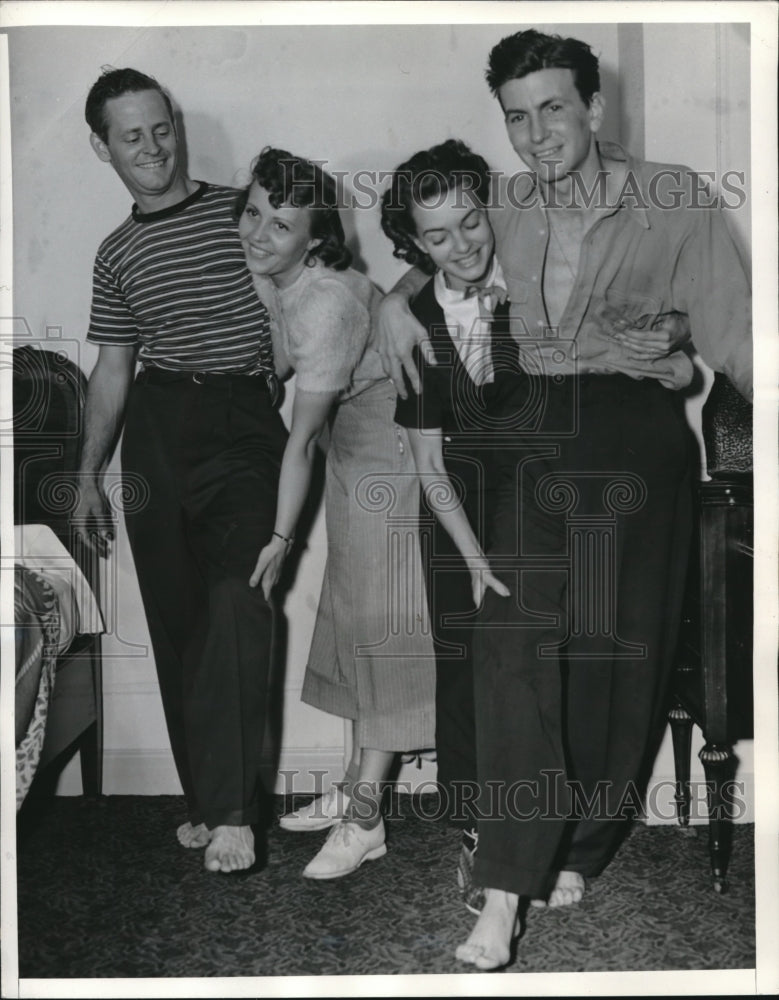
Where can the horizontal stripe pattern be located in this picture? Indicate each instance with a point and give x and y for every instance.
(176, 283)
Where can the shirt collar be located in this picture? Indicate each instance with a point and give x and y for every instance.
(633, 196)
(524, 185)
(446, 296)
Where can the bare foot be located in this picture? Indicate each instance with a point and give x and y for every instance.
(568, 888)
(193, 836)
(489, 944)
(231, 849)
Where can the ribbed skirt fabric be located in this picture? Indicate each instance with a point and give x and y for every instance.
(372, 657)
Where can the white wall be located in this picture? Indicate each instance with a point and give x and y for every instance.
(362, 98)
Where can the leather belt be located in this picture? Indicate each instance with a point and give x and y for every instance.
(266, 381)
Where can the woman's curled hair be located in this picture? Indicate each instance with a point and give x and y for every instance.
(427, 175)
(292, 180)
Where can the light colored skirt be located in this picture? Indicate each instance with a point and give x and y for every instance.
(372, 657)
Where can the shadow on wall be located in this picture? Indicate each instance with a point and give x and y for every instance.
(208, 151)
(278, 666)
(612, 128)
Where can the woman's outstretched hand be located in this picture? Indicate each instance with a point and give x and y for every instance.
(482, 577)
(269, 565)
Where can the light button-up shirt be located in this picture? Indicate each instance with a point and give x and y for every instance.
(653, 253)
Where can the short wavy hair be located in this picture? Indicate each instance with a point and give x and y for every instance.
(428, 174)
(529, 51)
(114, 83)
(293, 180)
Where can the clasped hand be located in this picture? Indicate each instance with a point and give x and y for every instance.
(668, 333)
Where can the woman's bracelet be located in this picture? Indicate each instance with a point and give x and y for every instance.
(289, 541)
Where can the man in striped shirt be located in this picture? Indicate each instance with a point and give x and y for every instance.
(202, 444)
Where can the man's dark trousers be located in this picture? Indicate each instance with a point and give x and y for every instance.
(207, 452)
(590, 532)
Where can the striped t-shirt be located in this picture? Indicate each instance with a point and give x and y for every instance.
(176, 283)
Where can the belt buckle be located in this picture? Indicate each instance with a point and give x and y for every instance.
(199, 381)
(272, 381)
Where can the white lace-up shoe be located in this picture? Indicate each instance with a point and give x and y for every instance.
(345, 849)
(320, 814)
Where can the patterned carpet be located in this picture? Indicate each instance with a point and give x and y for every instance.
(105, 890)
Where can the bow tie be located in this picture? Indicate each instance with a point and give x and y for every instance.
(483, 292)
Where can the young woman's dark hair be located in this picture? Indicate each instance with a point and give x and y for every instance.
(115, 83)
(428, 175)
(291, 180)
(529, 51)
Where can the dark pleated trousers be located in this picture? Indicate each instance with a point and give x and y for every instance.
(208, 458)
(452, 613)
(590, 531)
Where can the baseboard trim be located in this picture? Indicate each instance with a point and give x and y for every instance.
(127, 772)
(152, 772)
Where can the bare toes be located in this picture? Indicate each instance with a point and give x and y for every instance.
(568, 890)
(468, 952)
(193, 836)
(231, 849)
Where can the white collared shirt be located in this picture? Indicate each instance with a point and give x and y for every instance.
(467, 323)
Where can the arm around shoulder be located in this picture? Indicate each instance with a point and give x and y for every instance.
(400, 332)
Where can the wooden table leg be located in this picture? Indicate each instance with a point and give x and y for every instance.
(719, 764)
(681, 734)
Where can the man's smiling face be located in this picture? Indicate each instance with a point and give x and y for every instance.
(549, 125)
(142, 147)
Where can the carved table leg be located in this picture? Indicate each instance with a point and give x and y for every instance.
(681, 733)
(719, 763)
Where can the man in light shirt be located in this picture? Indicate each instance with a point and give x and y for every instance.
(591, 524)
